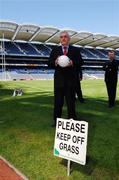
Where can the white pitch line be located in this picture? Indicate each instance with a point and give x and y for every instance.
(16, 170)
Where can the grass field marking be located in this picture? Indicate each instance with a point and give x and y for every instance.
(15, 170)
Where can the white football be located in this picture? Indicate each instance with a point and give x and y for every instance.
(63, 61)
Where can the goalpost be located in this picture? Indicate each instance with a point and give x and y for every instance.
(3, 59)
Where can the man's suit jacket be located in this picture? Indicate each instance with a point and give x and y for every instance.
(111, 71)
(66, 76)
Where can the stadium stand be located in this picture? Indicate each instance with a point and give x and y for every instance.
(25, 50)
(98, 54)
(44, 50)
(11, 48)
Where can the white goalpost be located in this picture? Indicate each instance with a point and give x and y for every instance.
(4, 77)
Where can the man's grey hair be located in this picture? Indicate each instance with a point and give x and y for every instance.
(62, 32)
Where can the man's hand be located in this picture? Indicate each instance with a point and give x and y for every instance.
(56, 62)
(70, 63)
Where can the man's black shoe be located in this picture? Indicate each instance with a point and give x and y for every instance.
(111, 106)
(81, 100)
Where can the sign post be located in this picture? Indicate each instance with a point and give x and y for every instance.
(68, 168)
(71, 141)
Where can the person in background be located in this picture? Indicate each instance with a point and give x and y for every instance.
(65, 79)
(111, 77)
(79, 94)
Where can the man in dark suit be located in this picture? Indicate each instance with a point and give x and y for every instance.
(65, 79)
(79, 94)
(111, 77)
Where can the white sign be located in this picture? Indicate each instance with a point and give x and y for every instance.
(71, 140)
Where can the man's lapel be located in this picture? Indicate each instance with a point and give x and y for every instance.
(60, 50)
(69, 51)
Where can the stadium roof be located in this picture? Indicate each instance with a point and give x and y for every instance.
(29, 32)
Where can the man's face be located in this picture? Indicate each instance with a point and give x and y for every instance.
(64, 39)
(111, 55)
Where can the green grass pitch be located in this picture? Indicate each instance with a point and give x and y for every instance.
(27, 138)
